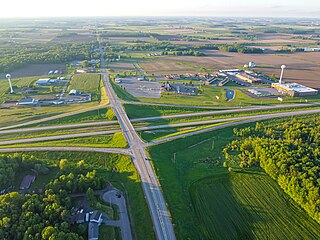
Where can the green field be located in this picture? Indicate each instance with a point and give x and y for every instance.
(87, 83)
(120, 172)
(183, 164)
(248, 205)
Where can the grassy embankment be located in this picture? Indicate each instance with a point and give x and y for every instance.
(208, 202)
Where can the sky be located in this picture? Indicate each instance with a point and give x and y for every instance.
(247, 8)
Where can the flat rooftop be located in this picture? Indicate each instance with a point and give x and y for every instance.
(296, 87)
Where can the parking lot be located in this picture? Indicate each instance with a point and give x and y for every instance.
(140, 89)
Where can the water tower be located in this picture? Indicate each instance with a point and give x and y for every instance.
(8, 76)
(281, 76)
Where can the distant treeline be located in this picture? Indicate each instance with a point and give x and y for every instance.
(230, 48)
(19, 55)
(289, 152)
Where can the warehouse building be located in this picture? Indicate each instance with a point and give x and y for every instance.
(294, 89)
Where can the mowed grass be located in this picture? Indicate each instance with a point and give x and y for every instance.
(116, 140)
(87, 83)
(85, 117)
(248, 205)
(141, 111)
(183, 164)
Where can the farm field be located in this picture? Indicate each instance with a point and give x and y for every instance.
(35, 70)
(182, 164)
(87, 83)
(248, 205)
(301, 67)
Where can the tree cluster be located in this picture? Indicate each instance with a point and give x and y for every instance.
(47, 215)
(289, 153)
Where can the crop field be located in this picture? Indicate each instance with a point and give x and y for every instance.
(120, 172)
(121, 66)
(183, 166)
(87, 83)
(301, 67)
(35, 70)
(248, 205)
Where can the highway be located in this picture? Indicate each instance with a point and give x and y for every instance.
(240, 120)
(53, 117)
(68, 149)
(225, 123)
(158, 209)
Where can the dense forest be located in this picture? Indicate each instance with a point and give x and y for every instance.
(14, 57)
(44, 215)
(289, 152)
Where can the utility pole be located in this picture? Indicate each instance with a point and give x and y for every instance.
(212, 146)
(174, 158)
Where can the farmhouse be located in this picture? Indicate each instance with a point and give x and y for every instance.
(294, 89)
(27, 181)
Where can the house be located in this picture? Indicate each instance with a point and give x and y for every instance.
(27, 181)
(93, 231)
(27, 101)
(78, 218)
(96, 217)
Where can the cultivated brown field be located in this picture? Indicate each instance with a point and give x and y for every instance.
(121, 66)
(35, 70)
(301, 67)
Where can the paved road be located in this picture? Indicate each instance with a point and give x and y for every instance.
(53, 117)
(157, 205)
(112, 197)
(59, 137)
(173, 125)
(136, 65)
(220, 112)
(205, 113)
(218, 107)
(56, 127)
(69, 149)
(241, 120)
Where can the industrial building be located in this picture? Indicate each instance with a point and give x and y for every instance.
(245, 76)
(46, 82)
(294, 89)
